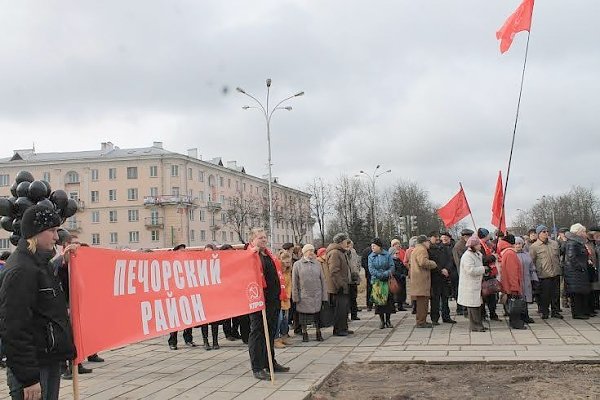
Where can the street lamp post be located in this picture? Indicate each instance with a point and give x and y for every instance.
(268, 113)
(373, 178)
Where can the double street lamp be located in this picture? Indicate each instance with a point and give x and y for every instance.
(268, 113)
(373, 179)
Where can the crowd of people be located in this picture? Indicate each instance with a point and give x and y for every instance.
(305, 287)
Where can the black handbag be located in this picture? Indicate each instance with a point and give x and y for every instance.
(326, 315)
(516, 305)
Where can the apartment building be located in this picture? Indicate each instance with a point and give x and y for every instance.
(154, 198)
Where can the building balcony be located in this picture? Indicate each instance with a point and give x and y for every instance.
(213, 206)
(215, 227)
(166, 200)
(154, 222)
(73, 226)
(80, 205)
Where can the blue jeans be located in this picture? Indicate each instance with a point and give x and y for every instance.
(283, 323)
(49, 381)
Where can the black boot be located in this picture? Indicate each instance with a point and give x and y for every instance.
(382, 321)
(304, 334)
(319, 336)
(388, 322)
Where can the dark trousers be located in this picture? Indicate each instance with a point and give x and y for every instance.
(214, 329)
(474, 314)
(439, 301)
(550, 295)
(579, 305)
(400, 297)
(369, 288)
(257, 348)
(49, 381)
(491, 302)
(243, 323)
(353, 288)
(187, 337)
(341, 304)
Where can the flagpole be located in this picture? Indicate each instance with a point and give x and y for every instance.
(468, 206)
(512, 145)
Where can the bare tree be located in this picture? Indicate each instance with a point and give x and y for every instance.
(409, 198)
(320, 203)
(242, 213)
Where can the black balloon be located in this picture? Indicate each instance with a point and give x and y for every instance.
(22, 204)
(6, 223)
(46, 203)
(13, 189)
(14, 239)
(5, 207)
(37, 190)
(24, 176)
(59, 198)
(48, 188)
(70, 209)
(12, 201)
(23, 189)
(16, 225)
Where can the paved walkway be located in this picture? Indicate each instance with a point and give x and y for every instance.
(149, 370)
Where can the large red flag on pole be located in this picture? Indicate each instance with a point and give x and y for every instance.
(519, 21)
(498, 219)
(455, 210)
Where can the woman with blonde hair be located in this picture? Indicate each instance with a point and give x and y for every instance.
(282, 338)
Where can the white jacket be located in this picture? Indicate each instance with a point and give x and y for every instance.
(471, 275)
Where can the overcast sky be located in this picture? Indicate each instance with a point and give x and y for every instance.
(419, 87)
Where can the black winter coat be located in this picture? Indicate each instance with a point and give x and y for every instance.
(443, 259)
(34, 323)
(576, 265)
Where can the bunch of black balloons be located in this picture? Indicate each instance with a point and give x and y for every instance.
(26, 192)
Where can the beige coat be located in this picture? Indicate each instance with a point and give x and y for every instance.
(420, 271)
(546, 257)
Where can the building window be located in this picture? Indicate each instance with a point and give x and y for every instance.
(46, 177)
(175, 191)
(213, 236)
(95, 196)
(223, 217)
(231, 237)
(72, 177)
(95, 217)
(94, 175)
(155, 235)
(112, 195)
(153, 192)
(224, 236)
(4, 179)
(200, 176)
(202, 215)
(202, 235)
(112, 173)
(174, 170)
(154, 216)
(244, 186)
(201, 196)
(95, 239)
(114, 238)
(189, 173)
(221, 181)
(153, 171)
(112, 216)
(191, 214)
(134, 237)
(74, 195)
(4, 243)
(132, 194)
(222, 199)
(132, 173)
(133, 215)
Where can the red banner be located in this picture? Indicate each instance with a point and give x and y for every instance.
(123, 297)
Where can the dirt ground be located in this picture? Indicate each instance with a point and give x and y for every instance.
(401, 381)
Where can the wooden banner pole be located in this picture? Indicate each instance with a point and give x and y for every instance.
(268, 341)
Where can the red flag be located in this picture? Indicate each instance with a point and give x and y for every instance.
(498, 218)
(455, 210)
(519, 21)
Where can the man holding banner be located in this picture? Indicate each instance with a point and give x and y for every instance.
(274, 292)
